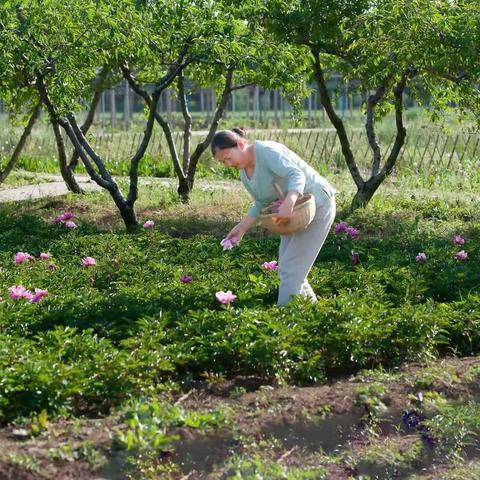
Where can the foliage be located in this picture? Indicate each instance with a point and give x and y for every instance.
(128, 325)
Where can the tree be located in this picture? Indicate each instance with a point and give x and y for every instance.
(230, 50)
(58, 49)
(9, 77)
(431, 46)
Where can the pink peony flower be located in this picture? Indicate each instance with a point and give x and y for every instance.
(225, 297)
(186, 278)
(421, 257)
(149, 224)
(71, 225)
(19, 291)
(340, 228)
(88, 261)
(352, 232)
(64, 217)
(276, 206)
(355, 258)
(21, 257)
(39, 294)
(462, 255)
(229, 243)
(458, 240)
(273, 265)
(44, 256)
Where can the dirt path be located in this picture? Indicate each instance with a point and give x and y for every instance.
(56, 187)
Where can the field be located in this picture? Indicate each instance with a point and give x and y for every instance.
(125, 371)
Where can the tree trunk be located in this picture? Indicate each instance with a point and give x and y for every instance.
(97, 95)
(23, 139)
(66, 172)
(365, 194)
(183, 190)
(127, 212)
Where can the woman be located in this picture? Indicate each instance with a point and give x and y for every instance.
(262, 164)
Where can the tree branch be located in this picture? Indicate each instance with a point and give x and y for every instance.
(133, 190)
(336, 121)
(372, 102)
(202, 146)
(67, 174)
(165, 127)
(401, 130)
(187, 129)
(78, 134)
(98, 90)
(42, 90)
(173, 70)
(21, 143)
(239, 87)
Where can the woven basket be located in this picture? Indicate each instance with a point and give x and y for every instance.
(302, 215)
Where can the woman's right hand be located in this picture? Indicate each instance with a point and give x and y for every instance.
(241, 228)
(236, 232)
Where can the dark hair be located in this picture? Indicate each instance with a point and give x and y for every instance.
(226, 139)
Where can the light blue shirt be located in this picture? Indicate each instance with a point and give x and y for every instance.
(275, 163)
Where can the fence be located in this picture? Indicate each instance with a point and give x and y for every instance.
(424, 151)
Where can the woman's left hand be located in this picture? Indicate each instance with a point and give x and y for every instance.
(284, 212)
(286, 209)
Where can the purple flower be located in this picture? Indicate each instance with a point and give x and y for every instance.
(64, 217)
(458, 240)
(340, 228)
(39, 294)
(412, 419)
(44, 256)
(461, 255)
(186, 278)
(421, 257)
(355, 258)
(352, 232)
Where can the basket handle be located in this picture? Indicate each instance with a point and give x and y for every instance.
(279, 192)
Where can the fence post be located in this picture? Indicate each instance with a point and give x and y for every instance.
(275, 107)
(113, 109)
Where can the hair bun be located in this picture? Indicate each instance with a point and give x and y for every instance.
(240, 131)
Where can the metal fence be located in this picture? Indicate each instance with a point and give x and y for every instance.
(426, 151)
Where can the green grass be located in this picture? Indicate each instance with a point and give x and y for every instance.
(128, 325)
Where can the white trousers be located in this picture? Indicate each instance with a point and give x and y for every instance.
(298, 252)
